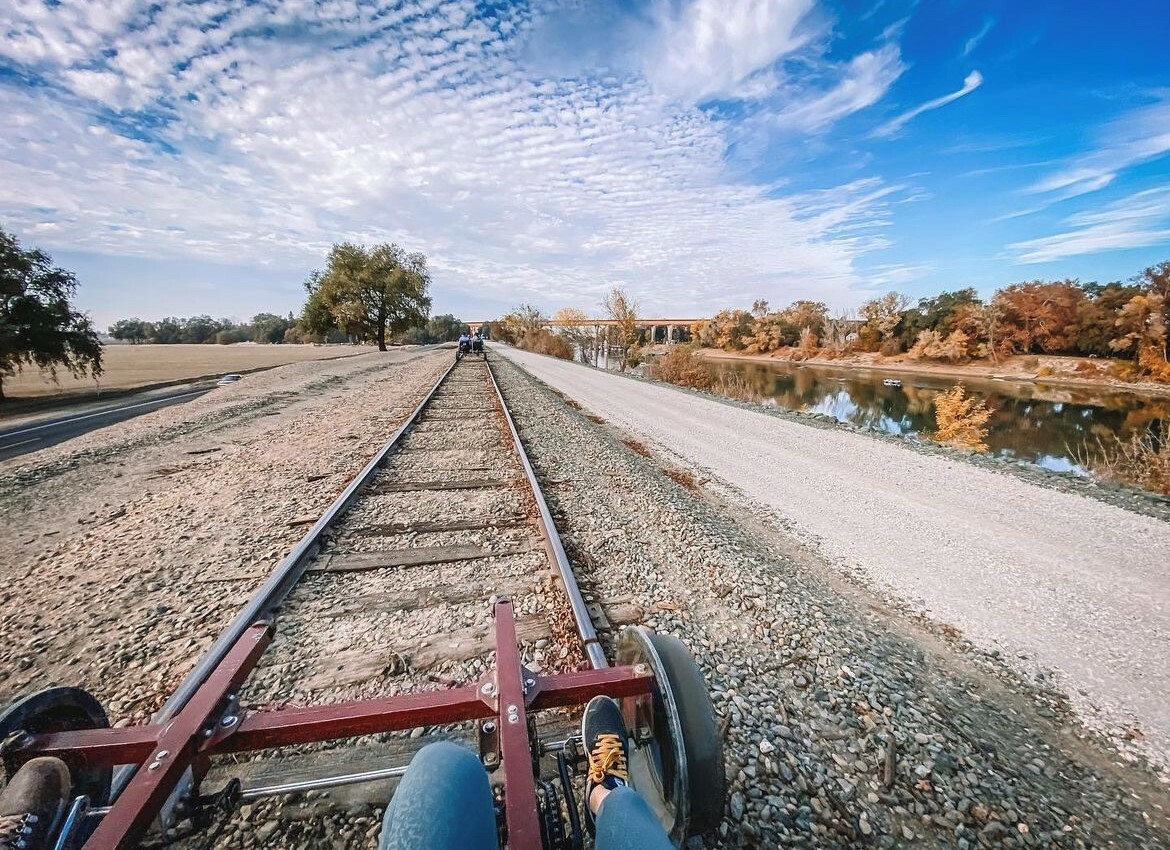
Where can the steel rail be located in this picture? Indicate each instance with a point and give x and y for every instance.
(288, 572)
(556, 550)
(278, 585)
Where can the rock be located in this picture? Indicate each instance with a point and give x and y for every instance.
(736, 806)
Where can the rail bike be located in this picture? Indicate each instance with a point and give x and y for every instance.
(134, 780)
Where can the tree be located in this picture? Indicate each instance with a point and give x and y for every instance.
(881, 317)
(444, 328)
(199, 329)
(370, 293)
(270, 328)
(38, 324)
(624, 312)
(759, 309)
(574, 326)
(1036, 316)
(961, 419)
(167, 331)
(524, 321)
(133, 331)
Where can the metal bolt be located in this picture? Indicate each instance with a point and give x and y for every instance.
(641, 669)
(488, 727)
(488, 688)
(229, 721)
(154, 765)
(529, 682)
(162, 754)
(490, 759)
(513, 714)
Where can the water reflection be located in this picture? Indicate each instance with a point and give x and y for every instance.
(1047, 426)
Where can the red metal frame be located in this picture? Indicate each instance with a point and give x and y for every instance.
(211, 725)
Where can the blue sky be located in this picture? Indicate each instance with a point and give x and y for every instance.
(201, 157)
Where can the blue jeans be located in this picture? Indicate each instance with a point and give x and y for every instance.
(444, 802)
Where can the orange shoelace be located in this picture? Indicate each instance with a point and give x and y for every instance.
(608, 759)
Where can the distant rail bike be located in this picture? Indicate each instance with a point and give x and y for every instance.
(134, 781)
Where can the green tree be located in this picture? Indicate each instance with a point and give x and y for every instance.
(444, 328)
(38, 324)
(369, 293)
(133, 331)
(168, 331)
(270, 328)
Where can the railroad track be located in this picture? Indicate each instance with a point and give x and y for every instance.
(432, 600)
(390, 593)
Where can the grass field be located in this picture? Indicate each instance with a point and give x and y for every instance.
(129, 366)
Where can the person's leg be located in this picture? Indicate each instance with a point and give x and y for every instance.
(444, 802)
(625, 822)
(617, 815)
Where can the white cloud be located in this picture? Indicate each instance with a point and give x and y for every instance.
(708, 48)
(891, 128)
(413, 122)
(1136, 221)
(1140, 135)
(864, 81)
(975, 40)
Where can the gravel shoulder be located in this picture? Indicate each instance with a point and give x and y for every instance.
(128, 549)
(1057, 584)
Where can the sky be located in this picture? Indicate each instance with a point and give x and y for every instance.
(201, 157)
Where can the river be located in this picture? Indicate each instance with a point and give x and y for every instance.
(1057, 428)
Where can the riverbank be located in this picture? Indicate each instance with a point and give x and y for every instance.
(1042, 370)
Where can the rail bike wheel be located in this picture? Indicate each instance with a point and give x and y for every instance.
(676, 757)
(60, 709)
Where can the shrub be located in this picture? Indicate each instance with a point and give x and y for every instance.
(1031, 363)
(961, 420)
(1045, 371)
(681, 365)
(1143, 460)
(891, 347)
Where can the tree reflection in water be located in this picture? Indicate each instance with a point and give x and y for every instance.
(1048, 426)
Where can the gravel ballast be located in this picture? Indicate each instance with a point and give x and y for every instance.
(1057, 583)
(128, 549)
(847, 725)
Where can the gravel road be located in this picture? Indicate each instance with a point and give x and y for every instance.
(1053, 581)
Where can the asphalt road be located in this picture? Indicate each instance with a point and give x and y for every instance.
(41, 433)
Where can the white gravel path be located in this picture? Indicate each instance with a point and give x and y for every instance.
(1069, 583)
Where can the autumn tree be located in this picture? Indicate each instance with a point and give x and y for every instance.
(575, 327)
(38, 323)
(624, 312)
(880, 318)
(961, 419)
(1036, 316)
(370, 293)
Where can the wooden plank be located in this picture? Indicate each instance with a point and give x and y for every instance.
(345, 669)
(416, 557)
(386, 528)
(431, 595)
(465, 484)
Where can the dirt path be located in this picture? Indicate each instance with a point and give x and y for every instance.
(1053, 581)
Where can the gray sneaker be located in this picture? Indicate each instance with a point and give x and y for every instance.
(31, 804)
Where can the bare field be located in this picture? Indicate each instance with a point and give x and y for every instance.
(129, 366)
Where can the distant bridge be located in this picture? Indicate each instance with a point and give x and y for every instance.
(657, 330)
